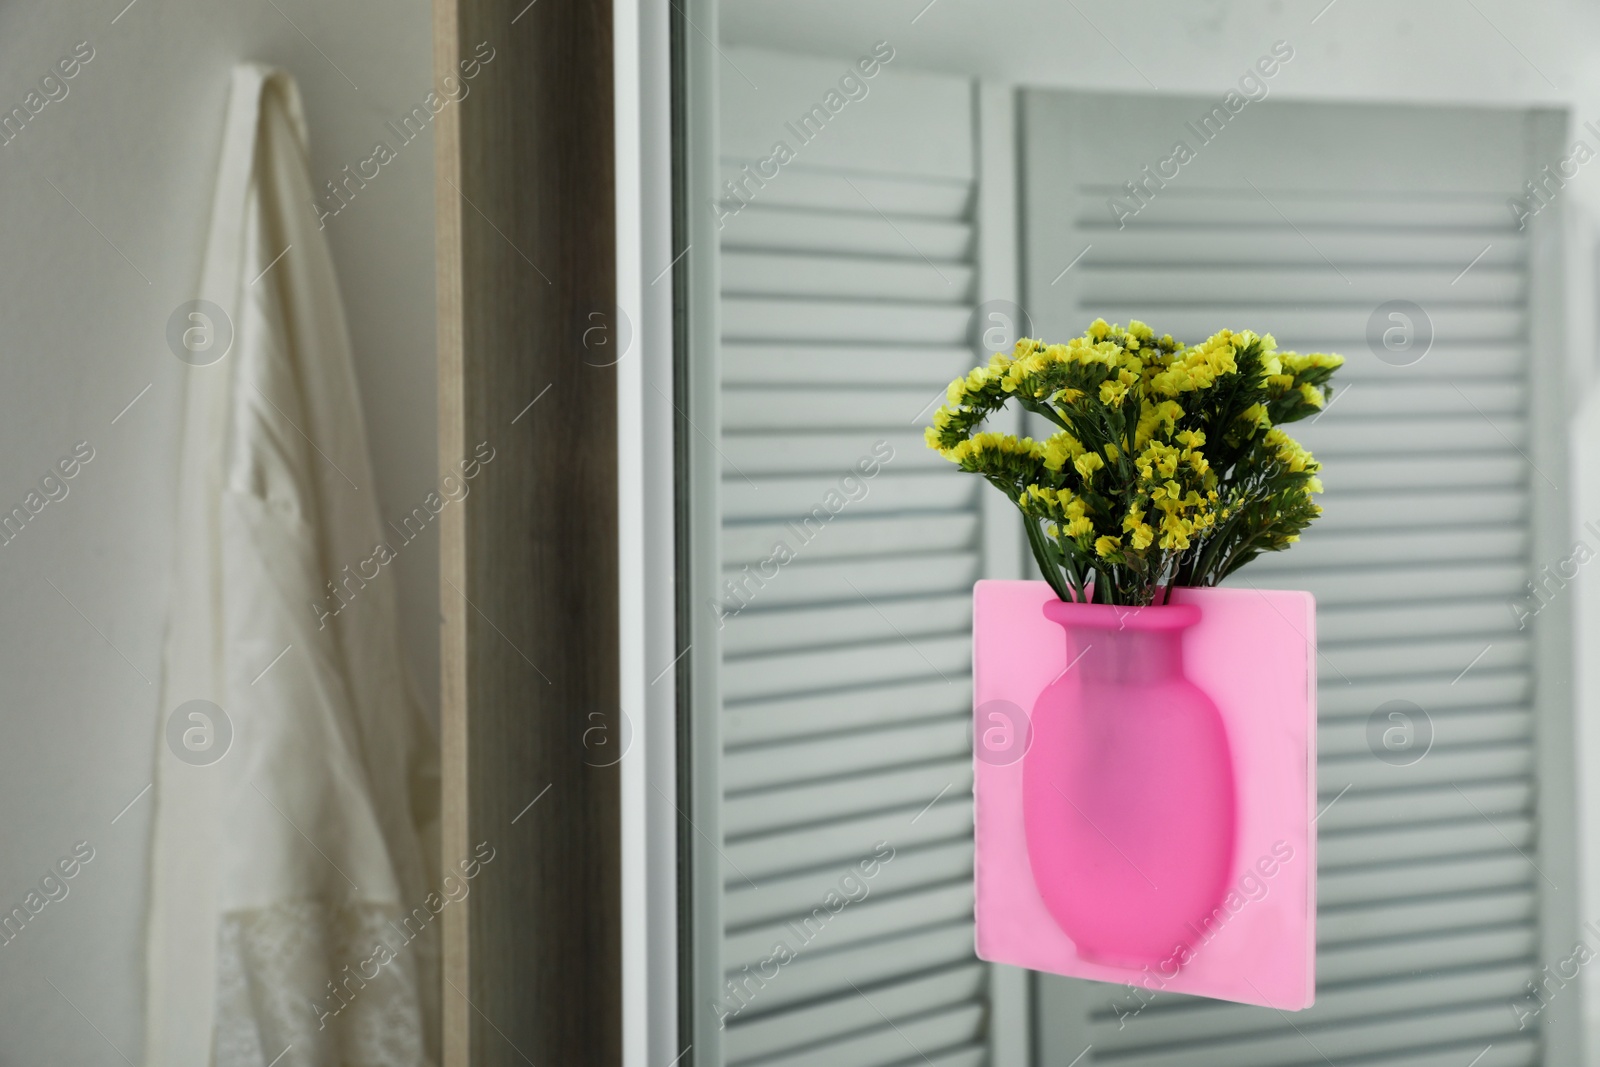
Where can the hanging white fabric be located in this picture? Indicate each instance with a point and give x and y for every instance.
(289, 907)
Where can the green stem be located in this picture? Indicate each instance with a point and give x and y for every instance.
(1041, 555)
(1047, 411)
(1228, 566)
(1077, 578)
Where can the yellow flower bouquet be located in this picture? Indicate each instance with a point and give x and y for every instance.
(1167, 467)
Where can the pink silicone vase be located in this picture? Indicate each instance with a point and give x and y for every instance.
(1128, 794)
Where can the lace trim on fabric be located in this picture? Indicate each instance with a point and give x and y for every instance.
(305, 984)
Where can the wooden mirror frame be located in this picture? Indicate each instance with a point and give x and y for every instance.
(526, 254)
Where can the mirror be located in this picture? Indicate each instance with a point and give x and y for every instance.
(899, 193)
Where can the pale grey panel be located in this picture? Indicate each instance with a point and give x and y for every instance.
(1451, 657)
(876, 915)
(1494, 871)
(1476, 689)
(1452, 470)
(1408, 439)
(758, 408)
(836, 492)
(756, 631)
(1431, 952)
(1343, 325)
(832, 190)
(1460, 616)
(824, 972)
(1470, 835)
(1413, 399)
(851, 535)
(1179, 284)
(753, 274)
(1445, 767)
(1341, 251)
(1448, 360)
(910, 122)
(851, 580)
(1413, 583)
(817, 320)
(885, 1044)
(927, 367)
(898, 999)
(1379, 808)
(1493, 726)
(1473, 1023)
(858, 663)
(935, 848)
(848, 279)
(1299, 146)
(926, 242)
(793, 715)
(1172, 1018)
(808, 805)
(1367, 922)
(1320, 548)
(834, 454)
(1443, 509)
(1180, 205)
(789, 762)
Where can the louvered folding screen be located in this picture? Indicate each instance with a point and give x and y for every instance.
(1429, 893)
(848, 278)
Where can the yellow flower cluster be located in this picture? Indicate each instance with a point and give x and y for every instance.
(1184, 515)
(1299, 364)
(1289, 451)
(1062, 448)
(961, 388)
(1140, 533)
(1038, 371)
(1201, 366)
(1166, 464)
(999, 443)
(1064, 508)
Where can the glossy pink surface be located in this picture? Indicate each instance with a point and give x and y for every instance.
(1139, 825)
(1128, 797)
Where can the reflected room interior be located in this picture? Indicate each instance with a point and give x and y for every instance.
(898, 197)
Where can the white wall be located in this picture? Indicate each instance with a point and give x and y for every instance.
(1358, 49)
(134, 146)
(1507, 53)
